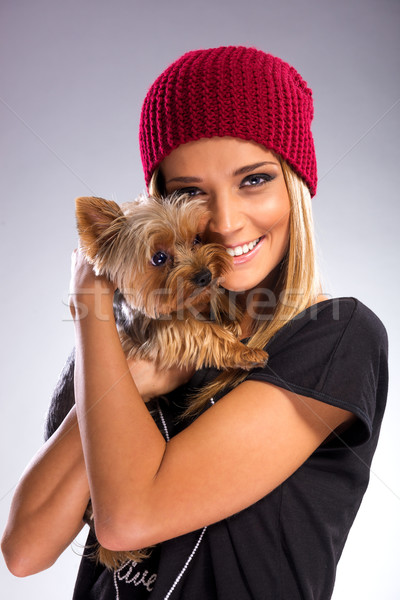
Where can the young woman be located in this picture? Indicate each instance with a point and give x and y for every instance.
(250, 493)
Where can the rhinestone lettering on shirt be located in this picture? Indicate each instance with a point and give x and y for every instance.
(129, 574)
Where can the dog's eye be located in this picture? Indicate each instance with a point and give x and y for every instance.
(159, 258)
(197, 240)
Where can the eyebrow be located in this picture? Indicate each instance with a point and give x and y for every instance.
(241, 171)
(249, 168)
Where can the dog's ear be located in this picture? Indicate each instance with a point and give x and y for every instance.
(98, 223)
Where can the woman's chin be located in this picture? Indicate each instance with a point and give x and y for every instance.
(263, 281)
(241, 284)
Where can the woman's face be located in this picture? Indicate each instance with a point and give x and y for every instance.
(246, 194)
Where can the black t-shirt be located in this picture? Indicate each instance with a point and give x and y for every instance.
(287, 545)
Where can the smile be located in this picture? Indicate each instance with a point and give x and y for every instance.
(239, 250)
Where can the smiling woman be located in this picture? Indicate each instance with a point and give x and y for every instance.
(278, 278)
(240, 484)
(248, 206)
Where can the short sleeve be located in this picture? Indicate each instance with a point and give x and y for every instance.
(336, 352)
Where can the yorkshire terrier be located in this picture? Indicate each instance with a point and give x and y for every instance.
(169, 309)
(169, 306)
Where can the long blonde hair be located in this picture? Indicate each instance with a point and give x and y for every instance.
(298, 284)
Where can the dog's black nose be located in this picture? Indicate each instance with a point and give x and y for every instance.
(202, 278)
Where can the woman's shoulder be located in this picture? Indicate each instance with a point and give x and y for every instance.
(332, 315)
(334, 351)
(331, 339)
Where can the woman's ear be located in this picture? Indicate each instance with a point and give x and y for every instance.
(98, 223)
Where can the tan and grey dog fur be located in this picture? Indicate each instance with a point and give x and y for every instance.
(169, 306)
(171, 310)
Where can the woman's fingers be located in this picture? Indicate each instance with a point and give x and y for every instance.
(87, 291)
(152, 382)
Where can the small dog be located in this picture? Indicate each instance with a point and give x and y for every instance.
(169, 307)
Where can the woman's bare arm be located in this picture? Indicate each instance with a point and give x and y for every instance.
(48, 504)
(145, 490)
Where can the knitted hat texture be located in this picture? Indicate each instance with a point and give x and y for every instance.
(230, 91)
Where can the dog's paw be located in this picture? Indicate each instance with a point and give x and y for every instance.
(249, 358)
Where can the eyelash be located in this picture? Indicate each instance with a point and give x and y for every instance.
(265, 178)
(188, 191)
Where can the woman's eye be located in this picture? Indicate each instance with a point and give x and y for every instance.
(190, 191)
(256, 180)
(159, 258)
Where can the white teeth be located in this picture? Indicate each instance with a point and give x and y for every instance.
(239, 250)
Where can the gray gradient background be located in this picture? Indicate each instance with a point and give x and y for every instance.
(73, 76)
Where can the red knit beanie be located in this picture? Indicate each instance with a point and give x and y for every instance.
(230, 91)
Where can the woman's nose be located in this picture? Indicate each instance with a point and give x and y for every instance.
(226, 215)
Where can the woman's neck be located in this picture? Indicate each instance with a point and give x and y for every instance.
(260, 302)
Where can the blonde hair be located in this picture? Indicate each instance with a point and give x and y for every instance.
(298, 284)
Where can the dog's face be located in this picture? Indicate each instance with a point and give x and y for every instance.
(152, 251)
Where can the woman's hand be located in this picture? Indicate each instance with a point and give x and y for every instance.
(152, 382)
(87, 290)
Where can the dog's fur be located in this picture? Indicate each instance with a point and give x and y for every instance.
(168, 307)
